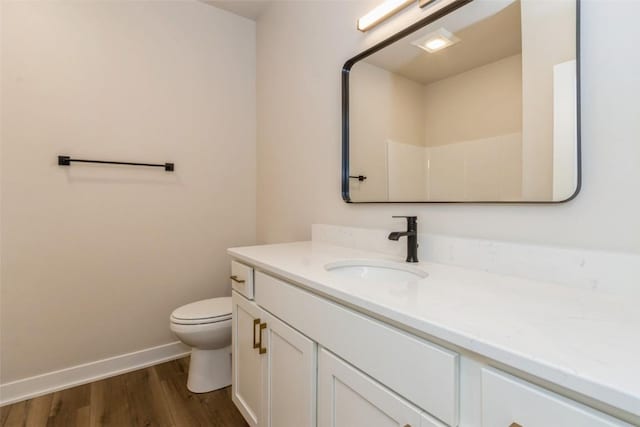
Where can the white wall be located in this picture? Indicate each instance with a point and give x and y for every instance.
(95, 258)
(301, 48)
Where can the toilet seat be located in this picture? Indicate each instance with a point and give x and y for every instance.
(206, 311)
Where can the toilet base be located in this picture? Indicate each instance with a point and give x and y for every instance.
(209, 369)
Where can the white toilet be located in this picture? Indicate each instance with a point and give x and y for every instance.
(206, 327)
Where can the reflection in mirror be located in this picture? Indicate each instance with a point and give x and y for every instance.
(477, 106)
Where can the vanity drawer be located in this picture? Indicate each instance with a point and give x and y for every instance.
(423, 373)
(242, 279)
(510, 401)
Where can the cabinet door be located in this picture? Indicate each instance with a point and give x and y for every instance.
(510, 401)
(249, 368)
(349, 398)
(291, 376)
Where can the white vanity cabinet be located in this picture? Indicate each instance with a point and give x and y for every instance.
(274, 369)
(301, 359)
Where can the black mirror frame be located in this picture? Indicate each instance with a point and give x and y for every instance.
(346, 69)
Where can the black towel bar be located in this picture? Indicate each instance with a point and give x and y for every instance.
(66, 161)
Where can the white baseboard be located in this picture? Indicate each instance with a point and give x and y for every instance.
(39, 385)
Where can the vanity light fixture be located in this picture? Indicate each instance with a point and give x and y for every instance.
(382, 12)
(436, 40)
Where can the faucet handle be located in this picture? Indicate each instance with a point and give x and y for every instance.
(410, 219)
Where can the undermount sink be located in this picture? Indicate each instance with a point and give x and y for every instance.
(376, 270)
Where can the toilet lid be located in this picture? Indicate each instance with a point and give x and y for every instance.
(212, 310)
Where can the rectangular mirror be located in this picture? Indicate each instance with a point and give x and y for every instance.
(477, 104)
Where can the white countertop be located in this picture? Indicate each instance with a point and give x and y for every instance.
(583, 340)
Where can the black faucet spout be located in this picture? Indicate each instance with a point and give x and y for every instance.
(396, 235)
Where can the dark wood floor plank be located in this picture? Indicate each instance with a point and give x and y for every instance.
(109, 404)
(183, 363)
(146, 399)
(173, 369)
(216, 404)
(65, 406)
(38, 410)
(4, 414)
(185, 408)
(83, 416)
(16, 415)
(156, 396)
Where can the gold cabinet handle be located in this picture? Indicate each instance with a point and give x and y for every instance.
(256, 344)
(263, 326)
(235, 279)
(515, 425)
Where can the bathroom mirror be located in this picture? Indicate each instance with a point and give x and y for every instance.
(478, 102)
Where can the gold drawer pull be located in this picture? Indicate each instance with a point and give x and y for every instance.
(256, 322)
(235, 279)
(263, 326)
(515, 425)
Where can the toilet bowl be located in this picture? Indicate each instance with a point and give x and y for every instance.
(205, 326)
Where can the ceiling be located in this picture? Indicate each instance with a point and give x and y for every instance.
(486, 35)
(251, 9)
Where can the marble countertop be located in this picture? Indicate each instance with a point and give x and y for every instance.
(586, 341)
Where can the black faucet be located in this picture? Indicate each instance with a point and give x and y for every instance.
(412, 237)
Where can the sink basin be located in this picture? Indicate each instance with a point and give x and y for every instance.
(376, 270)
